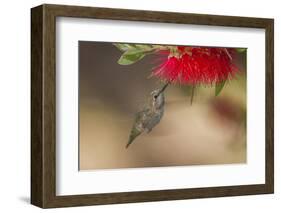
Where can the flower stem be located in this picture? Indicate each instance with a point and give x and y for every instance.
(192, 94)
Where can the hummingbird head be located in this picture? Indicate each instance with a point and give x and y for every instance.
(158, 97)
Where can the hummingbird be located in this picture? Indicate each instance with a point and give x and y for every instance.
(150, 115)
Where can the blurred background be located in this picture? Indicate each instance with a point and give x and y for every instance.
(210, 131)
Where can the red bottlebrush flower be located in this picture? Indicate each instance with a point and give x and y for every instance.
(197, 65)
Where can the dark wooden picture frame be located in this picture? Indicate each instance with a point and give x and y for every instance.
(43, 105)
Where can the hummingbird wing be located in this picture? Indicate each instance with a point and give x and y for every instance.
(137, 128)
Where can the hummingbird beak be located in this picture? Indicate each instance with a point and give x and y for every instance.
(163, 88)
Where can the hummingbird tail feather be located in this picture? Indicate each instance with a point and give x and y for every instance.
(133, 135)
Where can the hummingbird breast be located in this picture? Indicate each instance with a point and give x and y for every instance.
(154, 119)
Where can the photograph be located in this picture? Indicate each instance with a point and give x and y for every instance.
(160, 105)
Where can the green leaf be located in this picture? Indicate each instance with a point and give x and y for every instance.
(124, 47)
(131, 56)
(219, 87)
(241, 50)
(145, 47)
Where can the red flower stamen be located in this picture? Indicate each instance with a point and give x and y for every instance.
(197, 65)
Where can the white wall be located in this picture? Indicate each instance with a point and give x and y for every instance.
(15, 104)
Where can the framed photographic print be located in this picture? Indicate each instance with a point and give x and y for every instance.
(136, 106)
